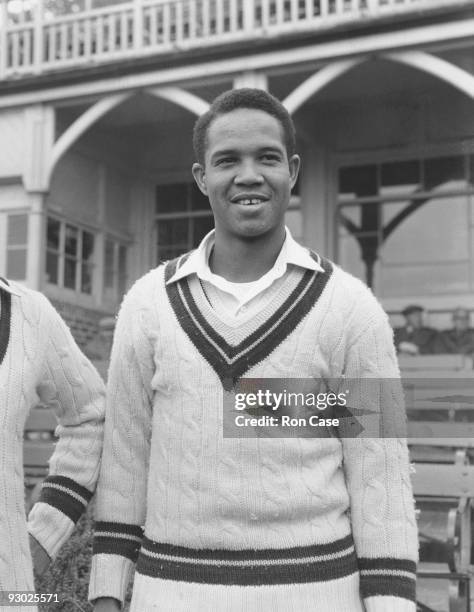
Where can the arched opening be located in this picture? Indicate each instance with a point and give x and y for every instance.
(392, 144)
(120, 199)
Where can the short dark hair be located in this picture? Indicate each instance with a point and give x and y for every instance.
(235, 99)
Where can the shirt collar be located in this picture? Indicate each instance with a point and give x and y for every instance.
(8, 288)
(291, 253)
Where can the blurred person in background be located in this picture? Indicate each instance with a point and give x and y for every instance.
(460, 338)
(414, 338)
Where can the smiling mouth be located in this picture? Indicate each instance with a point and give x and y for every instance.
(250, 201)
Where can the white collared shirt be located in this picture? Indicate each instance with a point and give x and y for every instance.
(243, 298)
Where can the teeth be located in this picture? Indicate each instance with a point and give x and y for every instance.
(248, 202)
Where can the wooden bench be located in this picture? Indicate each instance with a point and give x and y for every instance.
(447, 362)
(439, 395)
(448, 487)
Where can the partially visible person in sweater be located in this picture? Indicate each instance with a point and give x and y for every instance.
(40, 362)
(248, 525)
(414, 338)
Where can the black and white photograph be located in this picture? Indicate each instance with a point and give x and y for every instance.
(236, 305)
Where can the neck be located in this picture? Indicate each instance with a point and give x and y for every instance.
(241, 261)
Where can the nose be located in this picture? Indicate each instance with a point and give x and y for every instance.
(248, 174)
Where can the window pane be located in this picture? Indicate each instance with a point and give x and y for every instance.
(17, 232)
(172, 232)
(358, 180)
(202, 226)
(170, 253)
(198, 200)
(53, 233)
(52, 261)
(109, 265)
(400, 173)
(171, 198)
(86, 278)
(122, 270)
(16, 264)
(87, 246)
(70, 273)
(443, 170)
(71, 240)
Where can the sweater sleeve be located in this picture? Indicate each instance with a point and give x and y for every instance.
(71, 386)
(377, 469)
(121, 493)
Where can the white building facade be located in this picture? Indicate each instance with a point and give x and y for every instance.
(97, 103)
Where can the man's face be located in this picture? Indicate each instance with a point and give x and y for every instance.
(247, 175)
(461, 321)
(415, 319)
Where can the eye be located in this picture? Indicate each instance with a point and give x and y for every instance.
(270, 157)
(225, 161)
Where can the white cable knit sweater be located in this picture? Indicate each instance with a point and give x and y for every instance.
(249, 524)
(39, 361)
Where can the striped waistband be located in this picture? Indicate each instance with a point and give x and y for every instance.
(315, 563)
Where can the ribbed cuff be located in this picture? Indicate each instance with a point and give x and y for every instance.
(110, 575)
(388, 603)
(50, 527)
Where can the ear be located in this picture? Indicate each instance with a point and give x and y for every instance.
(200, 177)
(294, 163)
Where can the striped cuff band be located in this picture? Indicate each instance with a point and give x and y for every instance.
(117, 539)
(66, 495)
(317, 563)
(387, 576)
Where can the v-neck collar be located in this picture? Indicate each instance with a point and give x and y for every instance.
(5, 321)
(218, 344)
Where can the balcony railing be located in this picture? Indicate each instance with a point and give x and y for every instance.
(33, 41)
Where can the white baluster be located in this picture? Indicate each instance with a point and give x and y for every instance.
(192, 19)
(75, 40)
(112, 34)
(206, 17)
(153, 24)
(124, 33)
(294, 17)
(88, 26)
(38, 39)
(52, 30)
(265, 13)
(138, 31)
(26, 55)
(3, 40)
(166, 23)
(219, 17)
(63, 41)
(15, 46)
(99, 37)
(233, 16)
(280, 14)
(249, 15)
(179, 20)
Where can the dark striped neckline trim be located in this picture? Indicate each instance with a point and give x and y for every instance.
(5, 320)
(302, 564)
(232, 362)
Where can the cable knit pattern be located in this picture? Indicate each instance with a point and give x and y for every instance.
(256, 523)
(42, 363)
